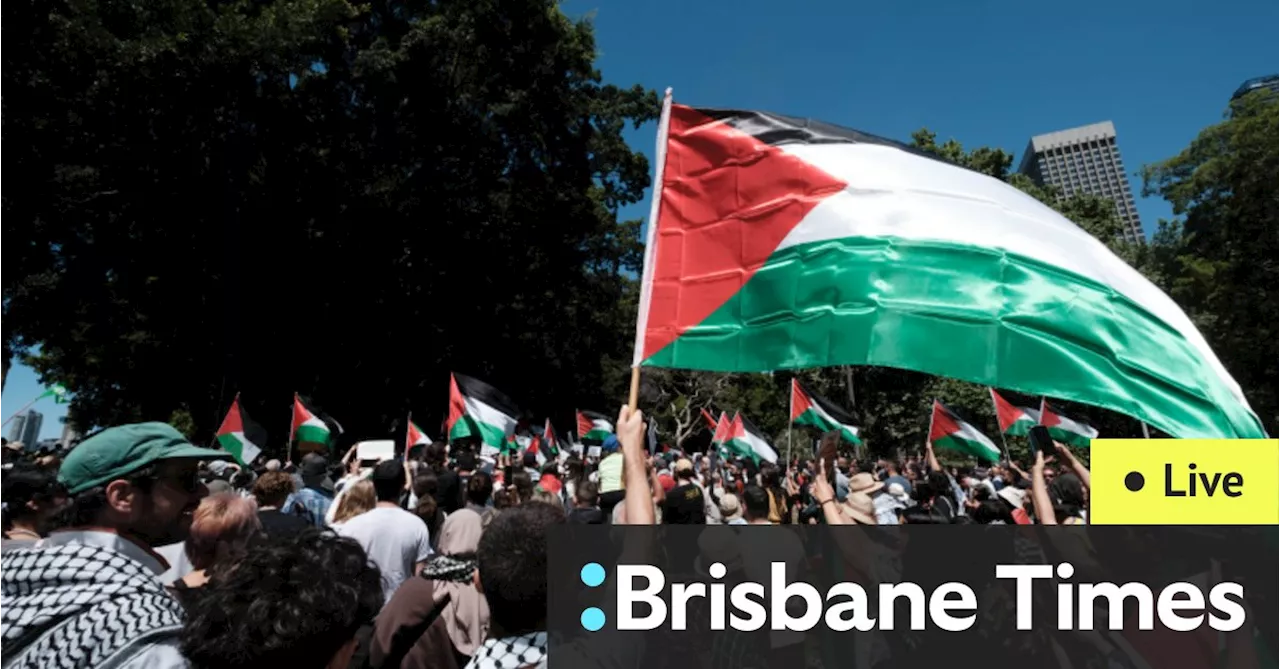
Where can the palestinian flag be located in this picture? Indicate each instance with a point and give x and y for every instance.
(709, 420)
(311, 426)
(946, 430)
(477, 409)
(778, 242)
(747, 441)
(813, 411)
(547, 445)
(593, 428)
(1014, 420)
(240, 436)
(1065, 429)
(720, 438)
(415, 437)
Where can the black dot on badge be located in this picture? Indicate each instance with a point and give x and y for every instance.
(1134, 481)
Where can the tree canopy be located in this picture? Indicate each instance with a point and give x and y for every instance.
(345, 200)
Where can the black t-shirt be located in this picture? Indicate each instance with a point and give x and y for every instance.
(684, 505)
(276, 523)
(586, 516)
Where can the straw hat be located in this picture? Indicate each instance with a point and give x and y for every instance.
(860, 508)
(864, 483)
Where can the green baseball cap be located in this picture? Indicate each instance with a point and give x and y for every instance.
(117, 452)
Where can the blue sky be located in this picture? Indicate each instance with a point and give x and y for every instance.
(985, 73)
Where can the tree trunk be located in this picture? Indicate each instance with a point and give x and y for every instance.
(848, 386)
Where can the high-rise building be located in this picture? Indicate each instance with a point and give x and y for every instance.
(16, 429)
(69, 434)
(1084, 160)
(1272, 82)
(31, 427)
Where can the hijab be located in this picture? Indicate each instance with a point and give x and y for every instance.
(452, 571)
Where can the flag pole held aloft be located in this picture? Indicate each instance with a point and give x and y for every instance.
(655, 207)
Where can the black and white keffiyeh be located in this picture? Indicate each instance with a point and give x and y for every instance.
(513, 652)
(78, 606)
(447, 568)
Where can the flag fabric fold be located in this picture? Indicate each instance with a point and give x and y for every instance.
(782, 243)
(414, 436)
(593, 428)
(811, 410)
(1064, 428)
(312, 426)
(240, 436)
(748, 441)
(709, 420)
(478, 410)
(947, 430)
(1014, 420)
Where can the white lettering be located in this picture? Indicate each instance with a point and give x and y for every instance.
(940, 606)
(1233, 609)
(628, 597)
(1115, 596)
(740, 597)
(781, 593)
(857, 605)
(1169, 604)
(1023, 574)
(889, 594)
(681, 593)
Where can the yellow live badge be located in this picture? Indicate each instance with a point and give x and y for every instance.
(1184, 482)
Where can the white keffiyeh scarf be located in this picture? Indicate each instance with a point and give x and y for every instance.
(77, 606)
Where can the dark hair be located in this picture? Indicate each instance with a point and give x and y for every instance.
(291, 601)
(523, 486)
(512, 559)
(435, 456)
(550, 468)
(86, 506)
(918, 515)
(529, 459)
(587, 492)
(1067, 494)
(273, 488)
(479, 488)
(466, 461)
(388, 480)
(29, 484)
(993, 511)
(425, 485)
(756, 501)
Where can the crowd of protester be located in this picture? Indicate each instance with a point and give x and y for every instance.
(138, 549)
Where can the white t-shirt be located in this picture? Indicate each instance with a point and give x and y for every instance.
(395, 540)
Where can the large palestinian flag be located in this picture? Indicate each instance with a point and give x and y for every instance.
(947, 430)
(778, 242)
(240, 436)
(593, 428)
(477, 409)
(1014, 420)
(1064, 428)
(813, 411)
(747, 441)
(311, 428)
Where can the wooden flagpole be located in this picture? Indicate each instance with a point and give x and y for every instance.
(646, 281)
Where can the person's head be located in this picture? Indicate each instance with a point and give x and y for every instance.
(684, 470)
(314, 471)
(573, 468)
(731, 508)
(756, 501)
(222, 527)
(770, 475)
(891, 467)
(288, 602)
(273, 488)
(842, 464)
(388, 480)
(435, 456)
(33, 497)
(512, 559)
(920, 515)
(522, 484)
(543, 496)
(479, 488)
(273, 465)
(1068, 496)
(859, 507)
(141, 480)
(587, 495)
(359, 498)
(992, 511)
(425, 485)
(529, 460)
(550, 469)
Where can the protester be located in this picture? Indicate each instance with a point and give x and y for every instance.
(610, 474)
(586, 509)
(359, 499)
(32, 497)
(296, 601)
(270, 491)
(312, 501)
(131, 488)
(438, 620)
(397, 541)
(731, 510)
(684, 504)
(512, 563)
(220, 531)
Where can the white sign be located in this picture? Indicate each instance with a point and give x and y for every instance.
(378, 449)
